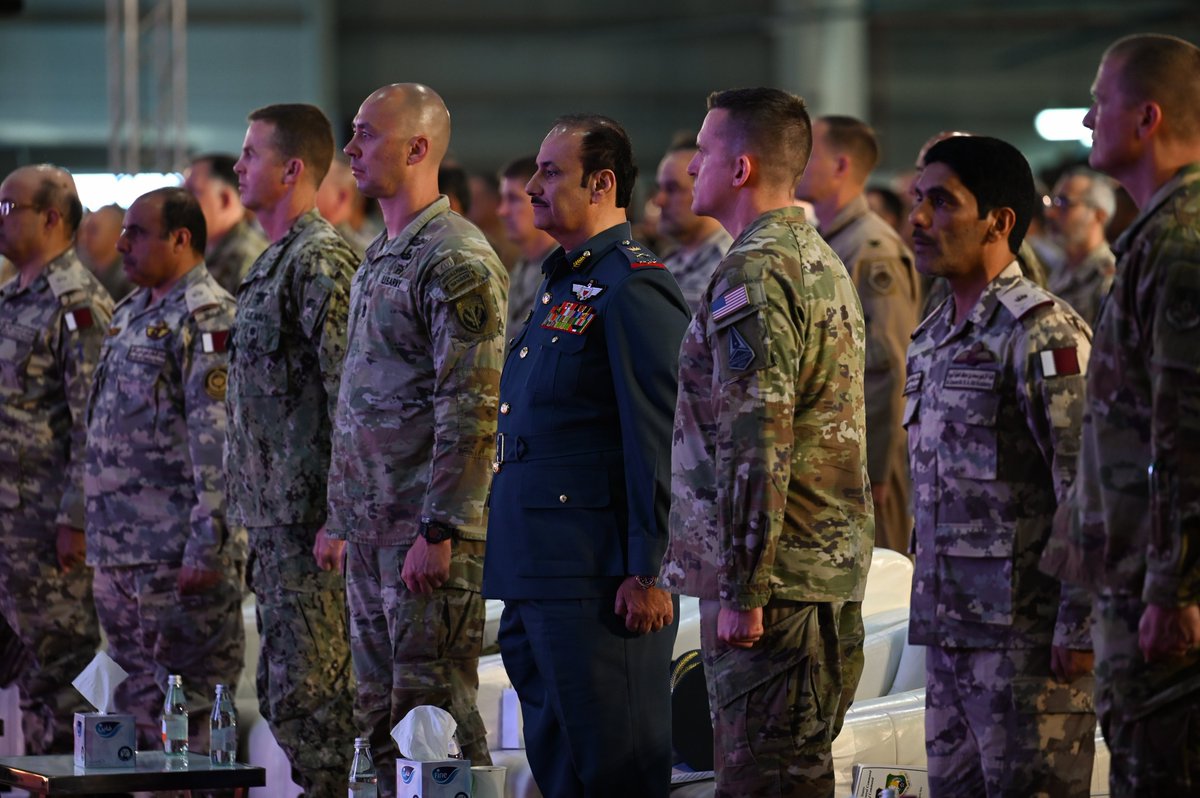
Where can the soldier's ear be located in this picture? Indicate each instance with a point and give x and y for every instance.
(1002, 222)
(292, 169)
(602, 181)
(418, 148)
(743, 167)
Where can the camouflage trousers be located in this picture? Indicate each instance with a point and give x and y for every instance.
(409, 650)
(153, 631)
(777, 707)
(998, 724)
(304, 680)
(52, 615)
(1149, 713)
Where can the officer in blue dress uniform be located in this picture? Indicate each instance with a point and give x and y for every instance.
(581, 489)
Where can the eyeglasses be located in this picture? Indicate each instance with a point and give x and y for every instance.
(8, 207)
(1062, 201)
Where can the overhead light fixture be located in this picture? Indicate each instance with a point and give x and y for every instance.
(99, 189)
(1063, 124)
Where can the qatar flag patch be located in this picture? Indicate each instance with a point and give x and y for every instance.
(78, 319)
(215, 341)
(1060, 362)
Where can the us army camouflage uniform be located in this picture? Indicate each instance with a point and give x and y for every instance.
(229, 258)
(771, 504)
(50, 337)
(1131, 534)
(284, 373)
(523, 282)
(694, 268)
(882, 269)
(1085, 286)
(993, 411)
(413, 438)
(156, 501)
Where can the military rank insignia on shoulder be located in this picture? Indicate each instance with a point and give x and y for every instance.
(64, 281)
(78, 319)
(200, 296)
(639, 258)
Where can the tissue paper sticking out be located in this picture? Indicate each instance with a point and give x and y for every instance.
(98, 682)
(426, 734)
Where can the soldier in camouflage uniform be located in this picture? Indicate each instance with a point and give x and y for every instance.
(1132, 531)
(845, 151)
(533, 245)
(233, 243)
(284, 372)
(701, 242)
(993, 406)
(414, 426)
(1080, 208)
(53, 315)
(168, 582)
(771, 516)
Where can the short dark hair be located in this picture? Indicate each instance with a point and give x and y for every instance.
(181, 210)
(62, 197)
(605, 145)
(855, 138)
(996, 173)
(301, 131)
(452, 181)
(683, 141)
(890, 199)
(1166, 70)
(772, 124)
(522, 168)
(220, 165)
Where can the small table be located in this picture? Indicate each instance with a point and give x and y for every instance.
(57, 775)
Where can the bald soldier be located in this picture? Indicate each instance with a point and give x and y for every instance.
(415, 424)
(96, 244)
(53, 316)
(844, 153)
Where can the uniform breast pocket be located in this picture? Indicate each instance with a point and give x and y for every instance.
(560, 358)
(264, 362)
(975, 572)
(137, 384)
(968, 444)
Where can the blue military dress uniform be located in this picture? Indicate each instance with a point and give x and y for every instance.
(579, 501)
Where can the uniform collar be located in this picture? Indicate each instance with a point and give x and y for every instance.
(788, 213)
(1184, 177)
(591, 251)
(984, 308)
(177, 294)
(384, 246)
(854, 209)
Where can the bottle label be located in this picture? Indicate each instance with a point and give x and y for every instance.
(174, 727)
(225, 738)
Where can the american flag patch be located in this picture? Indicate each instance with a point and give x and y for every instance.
(728, 302)
(1060, 362)
(215, 341)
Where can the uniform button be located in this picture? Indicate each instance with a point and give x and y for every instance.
(495, 468)
(546, 298)
(524, 351)
(563, 498)
(554, 340)
(504, 409)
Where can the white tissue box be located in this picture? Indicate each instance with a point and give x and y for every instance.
(442, 778)
(104, 741)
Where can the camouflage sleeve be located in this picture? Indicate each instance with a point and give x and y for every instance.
(643, 329)
(1053, 385)
(204, 376)
(78, 352)
(757, 351)
(890, 306)
(1173, 555)
(322, 294)
(463, 307)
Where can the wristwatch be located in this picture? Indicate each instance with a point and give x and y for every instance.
(435, 531)
(646, 582)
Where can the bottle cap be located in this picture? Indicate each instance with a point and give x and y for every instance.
(175, 678)
(361, 741)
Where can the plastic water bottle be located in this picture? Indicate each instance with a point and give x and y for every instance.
(222, 746)
(175, 720)
(363, 779)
